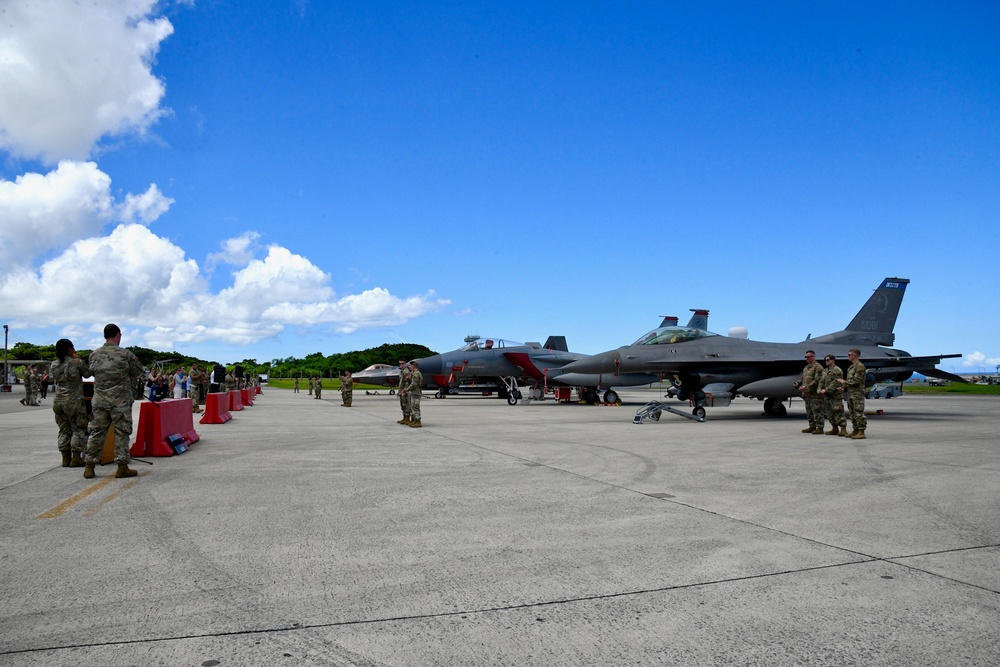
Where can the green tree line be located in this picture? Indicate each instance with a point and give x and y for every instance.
(314, 364)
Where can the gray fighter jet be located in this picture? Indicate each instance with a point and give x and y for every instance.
(383, 375)
(709, 369)
(481, 365)
(497, 364)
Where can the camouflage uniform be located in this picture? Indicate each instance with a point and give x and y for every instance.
(347, 389)
(833, 398)
(404, 402)
(30, 386)
(295, 386)
(115, 371)
(413, 394)
(68, 406)
(855, 385)
(318, 387)
(196, 378)
(230, 381)
(809, 386)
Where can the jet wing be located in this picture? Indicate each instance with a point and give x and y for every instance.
(923, 365)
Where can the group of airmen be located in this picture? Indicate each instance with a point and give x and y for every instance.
(410, 380)
(316, 387)
(409, 392)
(32, 386)
(824, 391)
(116, 371)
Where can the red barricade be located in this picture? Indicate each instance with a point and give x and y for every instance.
(246, 397)
(216, 409)
(258, 392)
(235, 401)
(161, 421)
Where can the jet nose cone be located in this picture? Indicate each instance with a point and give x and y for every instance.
(605, 363)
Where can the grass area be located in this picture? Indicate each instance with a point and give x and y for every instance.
(327, 384)
(952, 388)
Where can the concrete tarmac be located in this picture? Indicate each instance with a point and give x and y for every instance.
(306, 533)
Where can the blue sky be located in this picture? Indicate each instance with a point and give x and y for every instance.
(261, 180)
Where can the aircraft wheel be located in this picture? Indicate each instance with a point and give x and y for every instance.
(610, 396)
(699, 412)
(392, 392)
(512, 399)
(437, 394)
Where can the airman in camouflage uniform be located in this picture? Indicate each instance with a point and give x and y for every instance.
(831, 392)
(318, 387)
(404, 403)
(31, 383)
(347, 388)
(854, 384)
(230, 381)
(196, 380)
(70, 411)
(808, 386)
(413, 394)
(115, 371)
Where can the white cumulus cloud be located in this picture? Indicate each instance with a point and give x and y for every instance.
(978, 359)
(74, 72)
(43, 212)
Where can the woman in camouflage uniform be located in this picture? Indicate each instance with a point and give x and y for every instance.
(70, 411)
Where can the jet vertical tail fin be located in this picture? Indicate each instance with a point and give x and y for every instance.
(875, 321)
(699, 319)
(557, 343)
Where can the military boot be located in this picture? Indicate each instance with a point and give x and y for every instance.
(125, 471)
(808, 429)
(414, 423)
(65, 458)
(833, 430)
(843, 431)
(817, 431)
(88, 471)
(858, 435)
(77, 461)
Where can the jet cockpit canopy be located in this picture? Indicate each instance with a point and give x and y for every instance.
(673, 335)
(488, 343)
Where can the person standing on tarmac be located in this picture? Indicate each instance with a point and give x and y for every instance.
(808, 386)
(295, 386)
(831, 392)
(413, 394)
(347, 388)
(318, 386)
(115, 371)
(70, 411)
(404, 402)
(854, 384)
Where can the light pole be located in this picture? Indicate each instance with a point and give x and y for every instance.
(6, 374)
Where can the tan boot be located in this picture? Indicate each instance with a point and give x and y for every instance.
(125, 471)
(858, 435)
(807, 429)
(88, 471)
(414, 423)
(65, 459)
(818, 431)
(843, 432)
(76, 461)
(833, 430)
